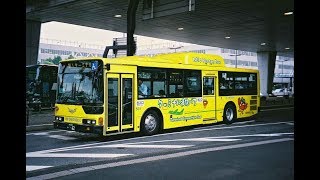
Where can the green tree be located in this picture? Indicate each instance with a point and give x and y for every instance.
(47, 61)
(56, 60)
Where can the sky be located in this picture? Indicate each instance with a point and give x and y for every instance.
(70, 32)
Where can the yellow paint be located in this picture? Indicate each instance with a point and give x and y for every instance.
(176, 112)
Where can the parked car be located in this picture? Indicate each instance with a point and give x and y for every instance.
(284, 92)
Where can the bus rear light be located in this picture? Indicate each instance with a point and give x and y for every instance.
(100, 121)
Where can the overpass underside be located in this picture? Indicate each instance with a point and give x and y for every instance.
(248, 23)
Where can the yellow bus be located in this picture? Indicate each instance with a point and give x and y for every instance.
(101, 95)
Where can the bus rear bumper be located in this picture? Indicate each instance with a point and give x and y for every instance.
(78, 128)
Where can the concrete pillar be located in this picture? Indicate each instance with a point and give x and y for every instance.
(266, 65)
(131, 26)
(32, 41)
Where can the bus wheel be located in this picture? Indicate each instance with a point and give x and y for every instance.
(150, 123)
(229, 114)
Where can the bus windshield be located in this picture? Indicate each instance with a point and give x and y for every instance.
(80, 83)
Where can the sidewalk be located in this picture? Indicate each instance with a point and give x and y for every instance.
(44, 120)
(40, 120)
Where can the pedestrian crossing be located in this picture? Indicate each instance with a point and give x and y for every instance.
(32, 168)
(66, 152)
(120, 148)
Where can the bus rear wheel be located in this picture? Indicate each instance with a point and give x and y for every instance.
(150, 123)
(229, 114)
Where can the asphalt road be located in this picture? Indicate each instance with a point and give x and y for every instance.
(255, 149)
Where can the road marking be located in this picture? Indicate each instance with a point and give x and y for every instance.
(41, 133)
(219, 128)
(53, 136)
(74, 155)
(32, 168)
(210, 139)
(87, 146)
(276, 109)
(47, 132)
(62, 137)
(154, 158)
(290, 124)
(38, 125)
(216, 138)
(144, 146)
(244, 122)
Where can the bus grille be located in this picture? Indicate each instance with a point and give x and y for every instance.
(253, 102)
(253, 108)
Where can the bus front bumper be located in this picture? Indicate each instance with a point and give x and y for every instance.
(78, 128)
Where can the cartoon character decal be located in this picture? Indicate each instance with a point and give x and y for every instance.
(205, 103)
(242, 104)
(176, 112)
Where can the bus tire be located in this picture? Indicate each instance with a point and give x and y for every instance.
(150, 123)
(229, 114)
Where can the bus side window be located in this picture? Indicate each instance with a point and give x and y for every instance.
(208, 85)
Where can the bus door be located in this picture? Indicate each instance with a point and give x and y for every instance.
(209, 98)
(119, 114)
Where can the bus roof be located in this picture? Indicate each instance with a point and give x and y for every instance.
(184, 58)
(36, 65)
(172, 58)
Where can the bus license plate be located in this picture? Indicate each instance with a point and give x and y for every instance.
(72, 120)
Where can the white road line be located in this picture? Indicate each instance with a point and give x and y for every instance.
(87, 146)
(41, 133)
(217, 138)
(38, 125)
(290, 124)
(46, 132)
(154, 158)
(32, 168)
(144, 146)
(244, 122)
(214, 128)
(62, 137)
(210, 139)
(75, 155)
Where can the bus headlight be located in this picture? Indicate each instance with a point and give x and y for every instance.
(89, 121)
(59, 118)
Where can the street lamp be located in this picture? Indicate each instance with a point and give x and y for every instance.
(236, 55)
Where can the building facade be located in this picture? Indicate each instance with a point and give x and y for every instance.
(283, 73)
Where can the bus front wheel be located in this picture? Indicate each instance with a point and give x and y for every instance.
(229, 114)
(150, 123)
